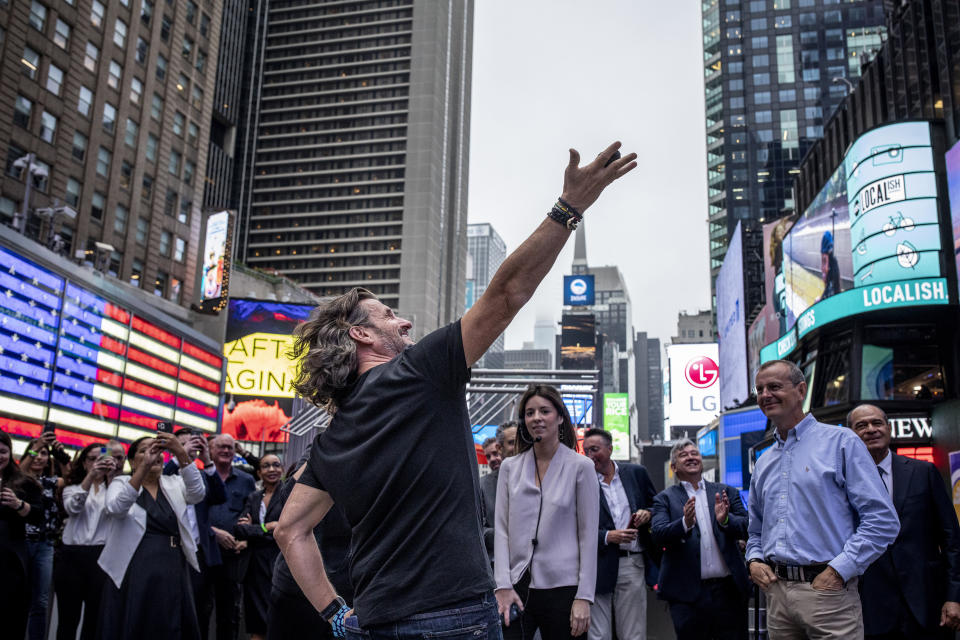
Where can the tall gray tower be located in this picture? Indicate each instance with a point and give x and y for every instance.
(487, 251)
(360, 157)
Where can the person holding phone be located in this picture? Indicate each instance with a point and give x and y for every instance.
(548, 515)
(150, 548)
(20, 504)
(78, 580)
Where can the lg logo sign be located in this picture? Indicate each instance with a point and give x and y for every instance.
(702, 372)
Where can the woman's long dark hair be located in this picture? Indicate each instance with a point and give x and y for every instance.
(77, 472)
(36, 446)
(11, 475)
(568, 435)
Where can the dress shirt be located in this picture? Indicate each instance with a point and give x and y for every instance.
(887, 465)
(616, 497)
(86, 522)
(712, 564)
(816, 498)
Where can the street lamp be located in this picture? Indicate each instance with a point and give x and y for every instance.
(32, 171)
(839, 79)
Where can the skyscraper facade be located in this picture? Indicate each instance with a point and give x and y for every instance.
(649, 386)
(360, 151)
(486, 251)
(108, 108)
(774, 71)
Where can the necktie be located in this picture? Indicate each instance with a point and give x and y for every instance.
(882, 478)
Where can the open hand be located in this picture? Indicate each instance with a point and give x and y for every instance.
(583, 185)
(506, 598)
(721, 507)
(690, 512)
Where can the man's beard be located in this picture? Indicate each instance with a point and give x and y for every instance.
(394, 344)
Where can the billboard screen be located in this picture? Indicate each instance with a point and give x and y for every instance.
(616, 420)
(953, 186)
(215, 271)
(816, 250)
(95, 369)
(771, 322)
(731, 325)
(694, 384)
(578, 291)
(260, 399)
(578, 342)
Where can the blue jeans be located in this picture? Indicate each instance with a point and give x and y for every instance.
(473, 619)
(40, 566)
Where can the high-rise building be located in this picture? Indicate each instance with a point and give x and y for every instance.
(106, 136)
(486, 251)
(649, 386)
(695, 328)
(774, 72)
(359, 159)
(545, 336)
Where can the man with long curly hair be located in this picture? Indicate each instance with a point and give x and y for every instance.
(398, 454)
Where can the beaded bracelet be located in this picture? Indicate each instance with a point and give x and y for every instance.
(565, 214)
(339, 629)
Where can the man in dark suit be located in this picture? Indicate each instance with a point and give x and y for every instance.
(702, 572)
(913, 589)
(198, 515)
(624, 563)
(488, 491)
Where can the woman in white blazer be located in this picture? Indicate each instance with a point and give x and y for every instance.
(547, 517)
(149, 550)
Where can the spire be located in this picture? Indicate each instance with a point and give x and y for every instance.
(580, 250)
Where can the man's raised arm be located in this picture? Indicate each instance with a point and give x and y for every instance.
(520, 274)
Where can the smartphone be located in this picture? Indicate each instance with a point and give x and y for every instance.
(49, 427)
(164, 427)
(103, 451)
(615, 156)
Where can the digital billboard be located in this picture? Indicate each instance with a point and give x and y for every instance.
(95, 369)
(771, 322)
(694, 396)
(215, 273)
(578, 291)
(731, 325)
(892, 189)
(816, 250)
(616, 420)
(578, 342)
(259, 373)
(953, 187)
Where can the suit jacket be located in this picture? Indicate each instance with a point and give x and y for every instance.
(488, 491)
(640, 493)
(129, 520)
(922, 566)
(216, 494)
(680, 565)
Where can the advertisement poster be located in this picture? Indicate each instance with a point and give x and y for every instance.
(953, 186)
(694, 398)
(259, 374)
(578, 291)
(578, 342)
(731, 325)
(616, 420)
(816, 251)
(214, 255)
(771, 322)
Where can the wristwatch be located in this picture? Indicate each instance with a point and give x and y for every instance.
(331, 609)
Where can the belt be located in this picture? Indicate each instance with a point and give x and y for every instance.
(797, 573)
(623, 553)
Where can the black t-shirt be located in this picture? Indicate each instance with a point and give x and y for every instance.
(399, 458)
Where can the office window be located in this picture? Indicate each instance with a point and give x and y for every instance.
(41, 179)
(31, 62)
(735, 67)
(814, 131)
(759, 42)
(191, 12)
(61, 34)
(136, 90)
(73, 192)
(179, 249)
(120, 216)
(761, 97)
(115, 75)
(156, 108)
(146, 12)
(120, 33)
(757, 5)
(764, 135)
(143, 51)
(788, 95)
(201, 60)
(160, 284)
(84, 101)
(165, 241)
(151, 150)
(781, 4)
(136, 272)
(90, 57)
(809, 38)
(146, 192)
(131, 133)
(761, 78)
(103, 162)
(782, 22)
(183, 83)
(97, 11)
(758, 24)
(187, 49)
(79, 146)
(811, 75)
(126, 175)
(189, 168)
(48, 127)
(166, 23)
(54, 79)
(736, 103)
(173, 165)
(176, 288)
(116, 261)
(812, 113)
(22, 110)
(197, 97)
(763, 116)
(808, 19)
(204, 25)
(143, 230)
(170, 203)
(38, 16)
(109, 117)
(761, 60)
(811, 93)
(735, 85)
(185, 207)
(193, 133)
(161, 68)
(97, 204)
(178, 122)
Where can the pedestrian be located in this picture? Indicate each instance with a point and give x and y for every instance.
(912, 591)
(507, 438)
(20, 504)
(699, 525)
(149, 550)
(548, 511)
(257, 521)
(198, 519)
(488, 491)
(37, 463)
(819, 515)
(227, 576)
(418, 565)
(626, 563)
(78, 579)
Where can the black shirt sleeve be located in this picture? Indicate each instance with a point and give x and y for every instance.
(311, 474)
(439, 358)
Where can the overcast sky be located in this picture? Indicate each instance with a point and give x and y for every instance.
(553, 74)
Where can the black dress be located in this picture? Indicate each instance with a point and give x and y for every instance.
(155, 600)
(14, 580)
(263, 552)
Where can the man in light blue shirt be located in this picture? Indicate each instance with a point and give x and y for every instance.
(819, 516)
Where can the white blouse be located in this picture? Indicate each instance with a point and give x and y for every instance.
(86, 522)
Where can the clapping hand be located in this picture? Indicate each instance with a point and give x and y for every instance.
(690, 512)
(721, 507)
